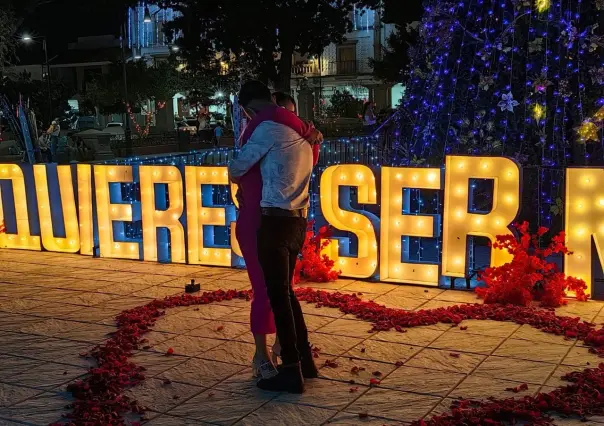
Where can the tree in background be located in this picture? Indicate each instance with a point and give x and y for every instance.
(396, 57)
(520, 78)
(157, 83)
(259, 37)
(7, 39)
(344, 105)
(35, 94)
(516, 78)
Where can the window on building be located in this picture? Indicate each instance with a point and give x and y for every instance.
(346, 59)
(398, 91)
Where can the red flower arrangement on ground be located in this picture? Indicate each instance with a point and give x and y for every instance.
(529, 276)
(99, 398)
(312, 265)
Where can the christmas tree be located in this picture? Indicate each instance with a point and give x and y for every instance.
(520, 78)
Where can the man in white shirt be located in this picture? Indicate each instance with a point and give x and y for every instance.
(286, 162)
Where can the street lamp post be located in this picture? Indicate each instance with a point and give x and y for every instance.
(27, 39)
(127, 131)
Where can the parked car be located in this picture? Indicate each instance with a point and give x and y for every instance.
(183, 126)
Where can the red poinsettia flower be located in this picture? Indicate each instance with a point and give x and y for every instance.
(530, 275)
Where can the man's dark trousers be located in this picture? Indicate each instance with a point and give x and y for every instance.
(280, 239)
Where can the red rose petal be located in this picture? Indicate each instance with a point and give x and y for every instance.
(99, 398)
(331, 363)
(518, 388)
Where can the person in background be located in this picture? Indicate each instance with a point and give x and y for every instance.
(218, 132)
(45, 148)
(54, 131)
(270, 129)
(369, 118)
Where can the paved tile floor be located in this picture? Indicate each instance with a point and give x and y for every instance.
(53, 307)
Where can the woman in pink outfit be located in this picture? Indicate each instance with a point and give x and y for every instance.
(248, 222)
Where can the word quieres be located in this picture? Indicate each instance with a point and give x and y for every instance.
(74, 209)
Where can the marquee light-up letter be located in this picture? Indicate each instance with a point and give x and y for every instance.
(107, 212)
(200, 213)
(23, 238)
(584, 221)
(394, 224)
(234, 243)
(164, 218)
(85, 209)
(335, 185)
(459, 223)
(71, 242)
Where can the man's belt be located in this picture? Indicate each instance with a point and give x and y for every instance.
(275, 211)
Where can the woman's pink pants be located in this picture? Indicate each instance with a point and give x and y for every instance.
(248, 223)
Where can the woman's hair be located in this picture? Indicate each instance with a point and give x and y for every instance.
(366, 105)
(253, 90)
(283, 99)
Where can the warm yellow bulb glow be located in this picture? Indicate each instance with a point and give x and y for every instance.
(350, 221)
(395, 224)
(538, 112)
(106, 215)
(509, 199)
(584, 188)
(154, 219)
(198, 215)
(588, 131)
(542, 5)
(26, 240)
(458, 223)
(70, 218)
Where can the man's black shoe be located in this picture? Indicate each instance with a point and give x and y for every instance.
(308, 367)
(289, 380)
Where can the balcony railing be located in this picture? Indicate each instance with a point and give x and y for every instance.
(311, 69)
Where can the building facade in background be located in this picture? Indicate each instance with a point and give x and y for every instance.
(343, 67)
(346, 66)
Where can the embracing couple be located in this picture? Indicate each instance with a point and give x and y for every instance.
(273, 171)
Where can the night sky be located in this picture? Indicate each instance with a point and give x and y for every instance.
(62, 22)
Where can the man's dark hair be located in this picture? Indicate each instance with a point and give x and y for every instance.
(283, 98)
(253, 90)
